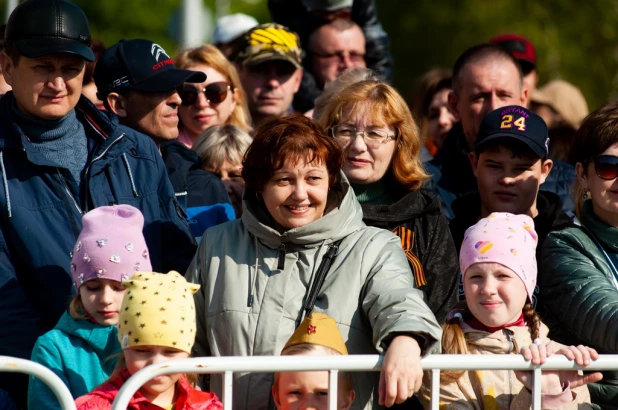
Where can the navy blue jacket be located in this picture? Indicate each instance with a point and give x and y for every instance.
(41, 207)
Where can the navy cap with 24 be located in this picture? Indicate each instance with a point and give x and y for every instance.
(517, 123)
(139, 65)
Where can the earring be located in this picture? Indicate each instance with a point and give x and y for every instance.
(586, 195)
(258, 195)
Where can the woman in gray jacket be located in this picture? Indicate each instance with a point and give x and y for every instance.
(301, 220)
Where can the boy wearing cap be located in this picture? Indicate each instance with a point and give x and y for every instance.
(59, 158)
(270, 70)
(510, 161)
(138, 81)
(317, 335)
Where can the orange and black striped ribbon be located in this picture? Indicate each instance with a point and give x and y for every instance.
(407, 242)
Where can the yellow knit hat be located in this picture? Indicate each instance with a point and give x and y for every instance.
(158, 310)
(318, 329)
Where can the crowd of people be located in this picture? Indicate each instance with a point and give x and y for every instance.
(272, 193)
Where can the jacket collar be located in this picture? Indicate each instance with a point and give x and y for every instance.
(102, 339)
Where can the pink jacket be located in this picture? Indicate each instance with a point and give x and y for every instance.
(189, 398)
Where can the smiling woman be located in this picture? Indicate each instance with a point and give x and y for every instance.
(301, 220)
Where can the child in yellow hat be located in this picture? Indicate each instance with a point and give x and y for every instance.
(156, 324)
(317, 335)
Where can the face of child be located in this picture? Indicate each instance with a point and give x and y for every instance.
(509, 182)
(102, 299)
(495, 295)
(308, 390)
(161, 389)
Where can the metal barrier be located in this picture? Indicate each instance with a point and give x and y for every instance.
(230, 365)
(14, 365)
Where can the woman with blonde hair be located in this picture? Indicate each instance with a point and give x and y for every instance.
(222, 148)
(218, 100)
(374, 126)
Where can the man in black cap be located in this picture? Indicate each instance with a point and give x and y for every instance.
(59, 158)
(138, 81)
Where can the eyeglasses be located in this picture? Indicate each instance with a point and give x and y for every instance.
(340, 56)
(215, 93)
(373, 137)
(606, 167)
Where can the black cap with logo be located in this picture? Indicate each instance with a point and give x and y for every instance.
(518, 123)
(139, 65)
(42, 27)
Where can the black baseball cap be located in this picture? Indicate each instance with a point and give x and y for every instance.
(41, 27)
(139, 65)
(517, 123)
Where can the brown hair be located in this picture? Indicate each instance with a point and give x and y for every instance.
(454, 340)
(598, 132)
(211, 56)
(76, 308)
(293, 138)
(385, 106)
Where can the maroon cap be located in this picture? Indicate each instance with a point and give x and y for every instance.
(519, 46)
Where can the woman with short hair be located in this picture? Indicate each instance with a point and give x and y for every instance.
(374, 126)
(218, 100)
(222, 148)
(300, 247)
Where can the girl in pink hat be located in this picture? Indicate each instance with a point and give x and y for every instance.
(79, 350)
(499, 269)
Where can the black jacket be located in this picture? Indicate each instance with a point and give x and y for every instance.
(452, 176)
(417, 220)
(195, 188)
(550, 218)
(294, 15)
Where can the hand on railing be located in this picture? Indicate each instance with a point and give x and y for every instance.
(402, 372)
(553, 381)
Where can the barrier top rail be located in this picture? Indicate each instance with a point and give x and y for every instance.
(229, 365)
(15, 365)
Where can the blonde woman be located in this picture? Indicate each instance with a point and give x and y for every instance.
(373, 125)
(222, 148)
(218, 100)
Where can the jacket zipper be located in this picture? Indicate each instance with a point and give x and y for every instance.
(281, 253)
(509, 336)
(68, 191)
(86, 175)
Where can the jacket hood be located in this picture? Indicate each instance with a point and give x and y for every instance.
(102, 339)
(500, 342)
(412, 204)
(343, 216)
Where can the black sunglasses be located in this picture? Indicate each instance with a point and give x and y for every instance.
(215, 93)
(606, 167)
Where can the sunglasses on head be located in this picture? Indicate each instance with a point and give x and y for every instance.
(606, 167)
(215, 93)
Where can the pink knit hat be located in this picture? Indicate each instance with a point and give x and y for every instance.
(110, 246)
(503, 238)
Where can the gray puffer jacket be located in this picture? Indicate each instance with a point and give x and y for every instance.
(247, 306)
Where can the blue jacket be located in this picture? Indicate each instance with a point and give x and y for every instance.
(41, 207)
(80, 352)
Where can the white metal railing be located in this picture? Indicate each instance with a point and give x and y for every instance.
(230, 365)
(14, 365)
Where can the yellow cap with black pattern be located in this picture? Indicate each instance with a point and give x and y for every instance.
(158, 310)
(271, 41)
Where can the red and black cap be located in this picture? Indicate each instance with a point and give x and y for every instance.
(139, 65)
(42, 27)
(516, 123)
(520, 47)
